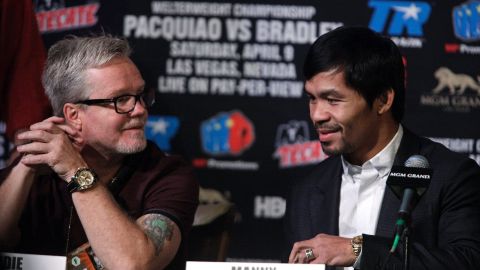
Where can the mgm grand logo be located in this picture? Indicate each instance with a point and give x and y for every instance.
(454, 92)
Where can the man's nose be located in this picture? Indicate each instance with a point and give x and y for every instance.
(140, 108)
(319, 113)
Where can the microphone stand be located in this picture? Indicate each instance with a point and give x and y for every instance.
(406, 247)
(402, 234)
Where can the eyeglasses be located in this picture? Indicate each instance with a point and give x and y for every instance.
(124, 103)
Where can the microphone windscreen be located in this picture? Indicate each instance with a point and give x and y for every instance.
(417, 161)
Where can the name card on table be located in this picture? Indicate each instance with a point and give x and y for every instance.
(191, 265)
(19, 261)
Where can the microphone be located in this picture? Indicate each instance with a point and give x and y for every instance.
(408, 182)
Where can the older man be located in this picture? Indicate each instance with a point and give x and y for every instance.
(344, 214)
(88, 181)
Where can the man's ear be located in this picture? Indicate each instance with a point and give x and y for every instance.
(73, 118)
(385, 101)
(71, 113)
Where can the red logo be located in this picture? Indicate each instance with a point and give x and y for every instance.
(294, 147)
(291, 155)
(199, 163)
(452, 47)
(67, 18)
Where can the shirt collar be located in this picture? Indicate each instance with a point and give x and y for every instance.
(382, 162)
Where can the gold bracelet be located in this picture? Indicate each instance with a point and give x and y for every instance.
(357, 242)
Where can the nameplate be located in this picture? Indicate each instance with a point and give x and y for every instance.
(19, 261)
(191, 265)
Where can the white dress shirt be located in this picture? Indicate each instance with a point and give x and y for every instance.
(362, 190)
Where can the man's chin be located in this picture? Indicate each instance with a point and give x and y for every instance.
(132, 147)
(330, 150)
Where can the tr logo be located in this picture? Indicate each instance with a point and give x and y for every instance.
(161, 130)
(407, 16)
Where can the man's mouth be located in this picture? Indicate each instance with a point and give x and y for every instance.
(326, 131)
(326, 134)
(135, 126)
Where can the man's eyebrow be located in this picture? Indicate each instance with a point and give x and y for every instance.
(121, 92)
(329, 93)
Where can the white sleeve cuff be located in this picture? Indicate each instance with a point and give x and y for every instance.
(356, 264)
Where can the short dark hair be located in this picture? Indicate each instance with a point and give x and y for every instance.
(372, 64)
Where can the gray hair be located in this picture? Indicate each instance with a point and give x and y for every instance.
(64, 74)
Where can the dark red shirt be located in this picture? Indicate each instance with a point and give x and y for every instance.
(156, 183)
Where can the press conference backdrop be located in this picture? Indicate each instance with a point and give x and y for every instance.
(228, 80)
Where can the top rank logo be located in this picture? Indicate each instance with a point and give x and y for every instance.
(408, 19)
(53, 16)
(161, 130)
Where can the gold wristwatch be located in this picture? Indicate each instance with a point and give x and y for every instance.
(83, 179)
(357, 242)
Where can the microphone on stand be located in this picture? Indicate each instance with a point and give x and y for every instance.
(408, 182)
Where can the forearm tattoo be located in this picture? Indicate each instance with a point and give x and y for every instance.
(158, 228)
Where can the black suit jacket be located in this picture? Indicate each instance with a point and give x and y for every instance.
(445, 224)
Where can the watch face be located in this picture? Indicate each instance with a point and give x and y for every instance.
(85, 178)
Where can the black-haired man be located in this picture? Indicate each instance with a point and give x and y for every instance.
(343, 214)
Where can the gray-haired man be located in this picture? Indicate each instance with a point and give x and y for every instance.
(88, 180)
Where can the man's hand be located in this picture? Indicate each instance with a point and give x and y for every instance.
(53, 143)
(327, 249)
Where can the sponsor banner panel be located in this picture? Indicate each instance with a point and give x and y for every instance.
(229, 86)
